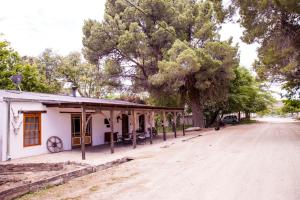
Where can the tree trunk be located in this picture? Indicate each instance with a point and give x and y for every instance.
(197, 110)
(247, 115)
(239, 116)
(212, 118)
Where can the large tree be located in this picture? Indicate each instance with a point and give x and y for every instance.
(148, 43)
(274, 24)
(201, 74)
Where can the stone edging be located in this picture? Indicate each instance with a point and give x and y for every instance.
(58, 179)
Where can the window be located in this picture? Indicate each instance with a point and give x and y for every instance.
(32, 129)
(106, 122)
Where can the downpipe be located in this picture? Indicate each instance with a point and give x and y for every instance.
(8, 102)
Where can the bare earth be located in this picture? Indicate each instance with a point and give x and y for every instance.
(248, 162)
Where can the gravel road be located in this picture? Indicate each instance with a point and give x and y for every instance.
(247, 162)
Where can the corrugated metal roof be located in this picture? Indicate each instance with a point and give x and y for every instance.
(63, 99)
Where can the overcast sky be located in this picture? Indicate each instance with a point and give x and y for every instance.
(33, 25)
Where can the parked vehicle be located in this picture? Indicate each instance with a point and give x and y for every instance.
(230, 119)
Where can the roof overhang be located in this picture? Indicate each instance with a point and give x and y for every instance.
(101, 106)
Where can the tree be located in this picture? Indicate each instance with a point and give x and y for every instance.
(11, 64)
(291, 106)
(82, 75)
(48, 63)
(202, 75)
(246, 94)
(274, 24)
(141, 44)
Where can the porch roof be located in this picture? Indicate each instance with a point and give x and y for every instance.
(53, 100)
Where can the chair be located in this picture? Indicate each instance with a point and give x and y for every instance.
(127, 138)
(141, 138)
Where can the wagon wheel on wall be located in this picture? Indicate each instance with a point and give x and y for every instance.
(54, 144)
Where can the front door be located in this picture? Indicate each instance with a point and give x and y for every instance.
(76, 131)
(125, 128)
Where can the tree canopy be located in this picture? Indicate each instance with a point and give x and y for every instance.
(274, 24)
(291, 106)
(246, 94)
(164, 46)
(11, 64)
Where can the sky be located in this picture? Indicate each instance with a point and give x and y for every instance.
(34, 25)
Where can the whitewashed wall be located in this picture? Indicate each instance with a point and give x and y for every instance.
(99, 128)
(55, 122)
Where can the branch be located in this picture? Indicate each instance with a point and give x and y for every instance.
(135, 62)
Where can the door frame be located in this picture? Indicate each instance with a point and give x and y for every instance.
(128, 125)
(91, 127)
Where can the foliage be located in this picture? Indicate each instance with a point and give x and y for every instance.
(82, 75)
(11, 64)
(274, 24)
(48, 63)
(291, 106)
(246, 94)
(165, 100)
(63, 72)
(164, 47)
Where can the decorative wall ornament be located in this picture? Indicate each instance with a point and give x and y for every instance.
(16, 122)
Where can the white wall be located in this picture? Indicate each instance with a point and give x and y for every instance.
(53, 123)
(99, 128)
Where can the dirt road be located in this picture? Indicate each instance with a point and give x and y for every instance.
(248, 162)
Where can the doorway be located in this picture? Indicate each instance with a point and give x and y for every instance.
(142, 123)
(125, 125)
(76, 130)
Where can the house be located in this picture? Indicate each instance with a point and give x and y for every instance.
(28, 120)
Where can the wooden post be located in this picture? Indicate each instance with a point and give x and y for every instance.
(175, 122)
(163, 126)
(151, 126)
(183, 124)
(83, 130)
(134, 129)
(112, 141)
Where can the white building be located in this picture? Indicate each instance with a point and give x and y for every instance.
(28, 120)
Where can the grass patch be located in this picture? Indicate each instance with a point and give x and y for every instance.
(37, 193)
(248, 121)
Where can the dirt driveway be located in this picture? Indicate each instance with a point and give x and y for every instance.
(248, 162)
